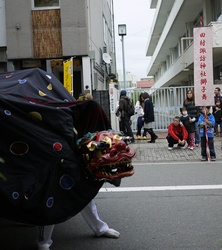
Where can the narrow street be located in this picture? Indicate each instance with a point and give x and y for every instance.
(163, 206)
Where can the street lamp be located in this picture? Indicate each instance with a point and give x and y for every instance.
(122, 33)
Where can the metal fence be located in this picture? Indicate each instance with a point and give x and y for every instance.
(167, 103)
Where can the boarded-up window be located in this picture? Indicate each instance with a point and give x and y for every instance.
(47, 38)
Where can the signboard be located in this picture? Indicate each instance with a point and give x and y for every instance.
(31, 64)
(203, 66)
(112, 99)
(68, 75)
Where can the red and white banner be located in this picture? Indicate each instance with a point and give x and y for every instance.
(203, 66)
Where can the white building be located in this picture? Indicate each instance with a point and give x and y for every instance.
(170, 42)
(130, 80)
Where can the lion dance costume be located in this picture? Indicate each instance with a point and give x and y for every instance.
(55, 152)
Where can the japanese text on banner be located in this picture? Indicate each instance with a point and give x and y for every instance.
(203, 67)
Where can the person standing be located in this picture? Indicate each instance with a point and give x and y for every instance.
(125, 123)
(139, 111)
(217, 112)
(193, 111)
(177, 134)
(217, 98)
(188, 123)
(206, 122)
(217, 95)
(148, 117)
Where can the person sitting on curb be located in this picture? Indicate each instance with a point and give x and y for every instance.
(177, 134)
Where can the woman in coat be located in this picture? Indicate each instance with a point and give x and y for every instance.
(148, 117)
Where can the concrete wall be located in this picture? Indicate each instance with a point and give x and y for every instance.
(99, 13)
(19, 29)
(96, 28)
(2, 24)
(217, 35)
(74, 23)
(82, 34)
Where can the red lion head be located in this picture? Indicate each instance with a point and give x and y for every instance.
(107, 155)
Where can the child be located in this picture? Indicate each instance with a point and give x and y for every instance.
(177, 134)
(189, 124)
(207, 121)
(139, 111)
(218, 118)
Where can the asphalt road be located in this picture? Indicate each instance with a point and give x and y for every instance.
(163, 206)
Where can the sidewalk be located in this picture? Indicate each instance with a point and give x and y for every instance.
(158, 151)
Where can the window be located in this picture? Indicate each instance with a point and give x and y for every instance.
(107, 36)
(105, 31)
(46, 3)
(217, 8)
(198, 21)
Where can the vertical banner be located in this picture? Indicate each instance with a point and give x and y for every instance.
(111, 98)
(68, 75)
(203, 66)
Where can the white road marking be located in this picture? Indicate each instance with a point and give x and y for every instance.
(176, 163)
(161, 188)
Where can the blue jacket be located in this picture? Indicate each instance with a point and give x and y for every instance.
(210, 128)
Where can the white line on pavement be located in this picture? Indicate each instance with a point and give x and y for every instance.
(176, 163)
(161, 188)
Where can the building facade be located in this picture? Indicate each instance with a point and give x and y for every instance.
(170, 42)
(45, 33)
(130, 80)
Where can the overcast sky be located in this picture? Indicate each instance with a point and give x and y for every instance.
(138, 19)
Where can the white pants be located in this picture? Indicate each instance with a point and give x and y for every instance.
(90, 215)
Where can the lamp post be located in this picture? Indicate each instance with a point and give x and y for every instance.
(122, 33)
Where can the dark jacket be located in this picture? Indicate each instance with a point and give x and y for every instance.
(148, 111)
(217, 98)
(123, 105)
(190, 127)
(192, 110)
(217, 115)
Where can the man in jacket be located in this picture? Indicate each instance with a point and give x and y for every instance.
(177, 134)
(125, 123)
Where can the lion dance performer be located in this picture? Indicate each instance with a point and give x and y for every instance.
(52, 168)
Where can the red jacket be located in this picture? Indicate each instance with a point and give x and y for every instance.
(174, 131)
